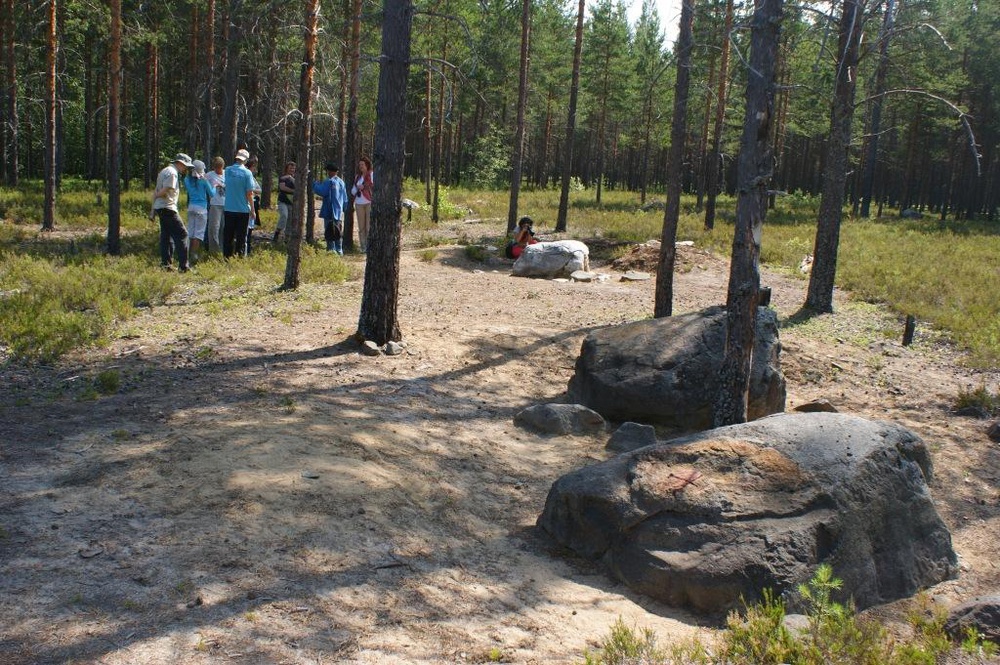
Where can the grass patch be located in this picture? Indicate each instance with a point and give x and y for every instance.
(944, 273)
(981, 398)
(60, 291)
(832, 633)
(428, 255)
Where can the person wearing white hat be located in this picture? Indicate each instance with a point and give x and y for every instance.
(165, 198)
(199, 194)
(238, 207)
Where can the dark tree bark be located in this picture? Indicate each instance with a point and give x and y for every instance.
(438, 140)
(351, 137)
(230, 114)
(675, 163)
(114, 131)
(51, 51)
(208, 95)
(10, 128)
(574, 94)
(714, 158)
(831, 208)
(303, 191)
(152, 115)
(378, 320)
(754, 173)
(522, 101)
(875, 125)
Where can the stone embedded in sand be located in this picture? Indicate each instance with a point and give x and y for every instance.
(560, 419)
(711, 518)
(631, 436)
(980, 614)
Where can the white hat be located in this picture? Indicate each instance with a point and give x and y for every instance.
(199, 168)
(242, 155)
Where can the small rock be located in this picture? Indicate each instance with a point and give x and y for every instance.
(994, 432)
(582, 276)
(816, 406)
(980, 614)
(631, 436)
(370, 348)
(311, 475)
(972, 412)
(635, 276)
(393, 349)
(796, 624)
(560, 419)
(684, 243)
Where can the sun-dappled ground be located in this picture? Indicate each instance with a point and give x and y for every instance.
(257, 491)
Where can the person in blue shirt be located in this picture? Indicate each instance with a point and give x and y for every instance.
(238, 207)
(334, 194)
(199, 194)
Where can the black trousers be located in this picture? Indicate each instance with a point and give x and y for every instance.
(234, 233)
(172, 231)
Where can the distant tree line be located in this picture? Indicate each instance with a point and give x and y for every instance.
(204, 76)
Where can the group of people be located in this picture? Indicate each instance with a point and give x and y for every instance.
(224, 206)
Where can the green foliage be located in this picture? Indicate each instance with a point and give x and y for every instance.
(428, 255)
(626, 646)
(489, 160)
(477, 253)
(981, 398)
(59, 292)
(108, 382)
(834, 635)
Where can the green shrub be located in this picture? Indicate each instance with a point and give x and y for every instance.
(107, 382)
(428, 255)
(979, 398)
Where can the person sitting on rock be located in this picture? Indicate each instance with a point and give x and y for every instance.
(525, 236)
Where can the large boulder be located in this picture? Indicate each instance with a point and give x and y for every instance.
(705, 520)
(666, 370)
(560, 258)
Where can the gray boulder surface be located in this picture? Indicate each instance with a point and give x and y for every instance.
(665, 370)
(981, 614)
(705, 520)
(630, 436)
(560, 258)
(560, 419)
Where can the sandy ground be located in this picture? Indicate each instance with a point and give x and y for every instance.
(259, 492)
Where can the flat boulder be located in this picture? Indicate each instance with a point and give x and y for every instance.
(560, 258)
(709, 519)
(560, 419)
(666, 370)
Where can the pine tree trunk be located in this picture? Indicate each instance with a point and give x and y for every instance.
(302, 190)
(664, 298)
(714, 158)
(574, 94)
(754, 173)
(352, 137)
(378, 320)
(51, 51)
(10, 98)
(875, 126)
(230, 114)
(208, 95)
(114, 131)
(831, 208)
(522, 102)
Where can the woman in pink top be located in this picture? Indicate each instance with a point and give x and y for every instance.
(362, 191)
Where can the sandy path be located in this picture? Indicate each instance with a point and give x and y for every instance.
(280, 498)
